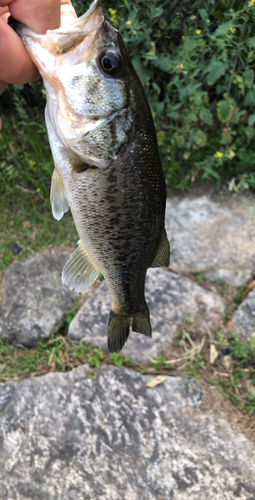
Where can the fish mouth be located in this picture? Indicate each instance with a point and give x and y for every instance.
(63, 39)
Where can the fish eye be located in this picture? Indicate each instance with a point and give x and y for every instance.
(110, 62)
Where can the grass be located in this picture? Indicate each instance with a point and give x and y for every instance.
(57, 353)
(26, 167)
(190, 357)
(233, 371)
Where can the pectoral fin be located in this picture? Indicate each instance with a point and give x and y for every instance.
(163, 254)
(80, 271)
(58, 199)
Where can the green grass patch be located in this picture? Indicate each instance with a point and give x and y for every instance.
(121, 359)
(26, 167)
(233, 370)
(57, 353)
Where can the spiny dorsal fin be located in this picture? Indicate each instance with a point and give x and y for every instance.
(80, 271)
(163, 254)
(58, 199)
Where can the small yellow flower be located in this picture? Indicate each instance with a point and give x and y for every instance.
(129, 22)
(198, 32)
(31, 163)
(231, 153)
(38, 190)
(218, 154)
(193, 17)
(113, 14)
(232, 30)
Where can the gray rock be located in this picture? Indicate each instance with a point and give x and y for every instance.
(35, 301)
(211, 238)
(243, 320)
(64, 436)
(171, 299)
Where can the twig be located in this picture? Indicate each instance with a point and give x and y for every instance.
(202, 344)
(207, 329)
(25, 190)
(190, 340)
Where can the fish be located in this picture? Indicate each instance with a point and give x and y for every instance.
(107, 165)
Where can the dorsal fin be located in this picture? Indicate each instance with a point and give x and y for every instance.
(58, 198)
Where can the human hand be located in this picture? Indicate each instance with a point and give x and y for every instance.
(40, 15)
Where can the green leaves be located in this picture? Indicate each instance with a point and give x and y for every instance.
(248, 77)
(251, 120)
(95, 357)
(249, 99)
(156, 12)
(224, 28)
(216, 69)
(225, 111)
(206, 116)
(121, 360)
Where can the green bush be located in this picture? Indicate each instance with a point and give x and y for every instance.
(195, 60)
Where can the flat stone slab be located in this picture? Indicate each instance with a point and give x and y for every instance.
(35, 301)
(171, 299)
(65, 436)
(243, 320)
(213, 239)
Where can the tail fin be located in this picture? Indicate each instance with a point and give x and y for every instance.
(118, 328)
(141, 323)
(118, 331)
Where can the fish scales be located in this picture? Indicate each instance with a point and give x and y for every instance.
(107, 165)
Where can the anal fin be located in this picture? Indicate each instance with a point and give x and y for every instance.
(80, 271)
(162, 258)
(58, 198)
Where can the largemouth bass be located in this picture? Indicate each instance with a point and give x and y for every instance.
(107, 165)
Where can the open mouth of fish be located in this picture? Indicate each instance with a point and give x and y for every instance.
(66, 38)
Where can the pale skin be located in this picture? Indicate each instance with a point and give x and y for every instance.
(39, 15)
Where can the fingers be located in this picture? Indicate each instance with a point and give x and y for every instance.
(37, 15)
(3, 10)
(2, 85)
(68, 13)
(16, 65)
(40, 15)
